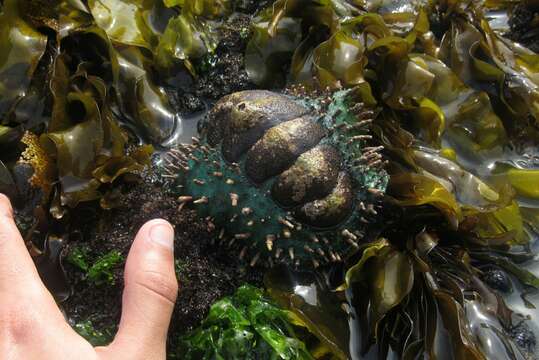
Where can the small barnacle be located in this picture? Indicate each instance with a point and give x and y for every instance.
(35, 156)
(276, 171)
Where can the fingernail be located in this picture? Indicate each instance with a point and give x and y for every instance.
(162, 234)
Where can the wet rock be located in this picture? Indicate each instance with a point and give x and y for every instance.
(220, 73)
(224, 73)
(524, 337)
(524, 25)
(251, 6)
(498, 280)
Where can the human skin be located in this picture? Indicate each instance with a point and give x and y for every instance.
(32, 326)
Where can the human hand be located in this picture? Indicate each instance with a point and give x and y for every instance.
(32, 326)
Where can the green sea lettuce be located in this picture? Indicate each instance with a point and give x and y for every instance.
(87, 330)
(101, 270)
(246, 325)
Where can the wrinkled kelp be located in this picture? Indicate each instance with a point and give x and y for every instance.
(458, 103)
(72, 73)
(81, 89)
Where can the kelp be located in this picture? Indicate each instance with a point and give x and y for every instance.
(342, 51)
(99, 75)
(442, 107)
(79, 134)
(78, 90)
(523, 181)
(186, 37)
(417, 295)
(469, 190)
(420, 87)
(124, 21)
(84, 138)
(132, 22)
(266, 55)
(120, 37)
(80, 84)
(50, 267)
(502, 225)
(22, 48)
(246, 325)
(440, 103)
(291, 29)
(37, 158)
(189, 36)
(411, 189)
(207, 8)
(452, 94)
(129, 83)
(506, 69)
(309, 297)
(142, 101)
(390, 276)
(162, 46)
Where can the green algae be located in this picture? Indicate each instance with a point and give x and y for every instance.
(245, 325)
(95, 337)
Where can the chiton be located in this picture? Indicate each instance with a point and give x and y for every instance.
(281, 178)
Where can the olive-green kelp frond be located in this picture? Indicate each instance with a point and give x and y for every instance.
(175, 39)
(505, 69)
(423, 282)
(65, 94)
(22, 49)
(247, 325)
(326, 313)
(325, 39)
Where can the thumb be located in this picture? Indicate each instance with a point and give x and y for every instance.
(149, 295)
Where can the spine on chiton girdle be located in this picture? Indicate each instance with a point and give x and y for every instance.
(281, 181)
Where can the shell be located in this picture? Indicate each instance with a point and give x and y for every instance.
(280, 181)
